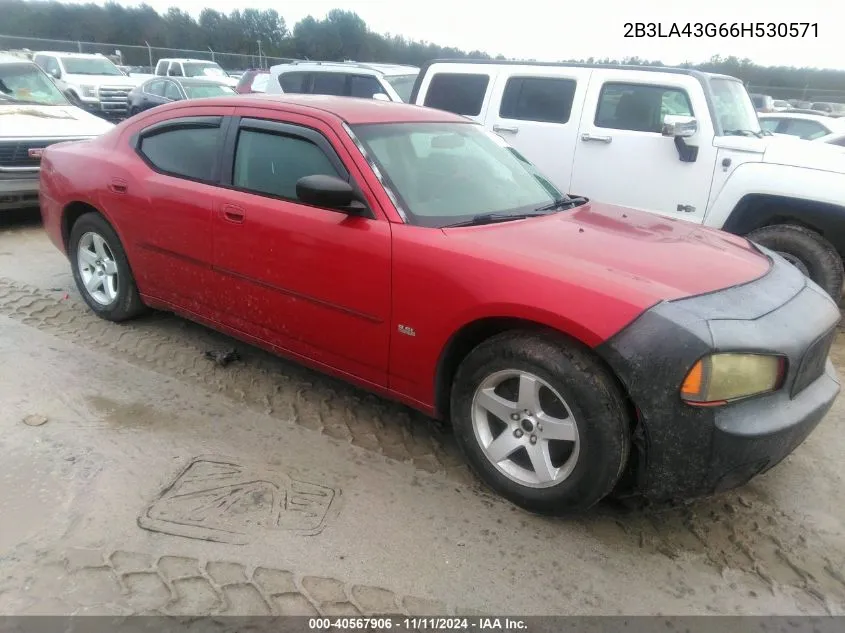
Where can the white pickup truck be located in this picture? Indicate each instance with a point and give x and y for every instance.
(676, 142)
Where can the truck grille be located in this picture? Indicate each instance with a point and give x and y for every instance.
(113, 99)
(15, 154)
(813, 363)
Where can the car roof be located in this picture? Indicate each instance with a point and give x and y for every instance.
(349, 109)
(68, 54)
(190, 81)
(349, 66)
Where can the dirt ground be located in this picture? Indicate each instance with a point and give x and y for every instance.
(140, 477)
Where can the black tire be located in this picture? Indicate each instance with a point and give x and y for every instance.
(127, 302)
(593, 396)
(809, 251)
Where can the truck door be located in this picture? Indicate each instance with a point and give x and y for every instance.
(531, 107)
(622, 158)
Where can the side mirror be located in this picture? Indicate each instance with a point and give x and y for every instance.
(380, 96)
(325, 191)
(679, 126)
(56, 73)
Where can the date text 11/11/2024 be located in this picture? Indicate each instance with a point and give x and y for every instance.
(721, 29)
(417, 624)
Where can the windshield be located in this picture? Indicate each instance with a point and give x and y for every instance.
(25, 83)
(203, 69)
(200, 91)
(734, 109)
(402, 84)
(89, 66)
(443, 173)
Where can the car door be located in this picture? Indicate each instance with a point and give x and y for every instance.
(172, 91)
(165, 193)
(622, 158)
(312, 281)
(153, 94)
(532, 109)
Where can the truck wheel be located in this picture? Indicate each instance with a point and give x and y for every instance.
(541, 422)
(808, 251)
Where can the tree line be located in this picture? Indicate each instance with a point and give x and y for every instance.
(339, 35)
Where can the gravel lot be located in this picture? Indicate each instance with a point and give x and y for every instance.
(140, 477)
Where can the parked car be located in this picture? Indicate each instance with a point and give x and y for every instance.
(92, 82)
(160, 90)
(828, 107)
(566, 332)
(253, 80)
(345, 79)
(779, 105)
(805, 126)
(33, 115)
(763, 103)
(194, 68)
(675, 142)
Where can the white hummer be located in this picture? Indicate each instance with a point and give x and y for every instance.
(92, 82)
(676, 142)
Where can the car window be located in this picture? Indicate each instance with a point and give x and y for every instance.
(24, 83)
(51, 65)
(204, 91)
(175, 69)
(187, 152)
(808, 130)
(156, 87)
(329, 84)
(639, 107)
(364, 86)
(294, 83)
(259, 83)
(770, 125)
(161, 67)
(538, 99)
(460, 93)
(171, 91)
(271, 163)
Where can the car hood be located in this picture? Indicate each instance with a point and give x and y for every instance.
(101, 80)
(638, 256)
(42, 121)
(796, 152)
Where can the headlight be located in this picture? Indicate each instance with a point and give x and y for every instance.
(89, 91)
(720, 378)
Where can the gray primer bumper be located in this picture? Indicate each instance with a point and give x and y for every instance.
(685, 451)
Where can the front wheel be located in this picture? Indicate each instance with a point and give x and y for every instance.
(541, 422)
(101, 270)
(808, 251)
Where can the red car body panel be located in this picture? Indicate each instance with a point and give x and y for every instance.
(334, 290)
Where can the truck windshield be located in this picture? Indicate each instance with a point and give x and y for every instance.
(203, 69)
(24, 83)
(734, 109)
(445, 173)
(89, 66)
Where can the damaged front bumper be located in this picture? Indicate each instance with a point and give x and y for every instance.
(685, 451)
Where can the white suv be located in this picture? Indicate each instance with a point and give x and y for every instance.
(92, 82)
(33, 115)
(194, 68)
(387, 82)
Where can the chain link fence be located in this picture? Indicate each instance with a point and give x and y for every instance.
(142, 56)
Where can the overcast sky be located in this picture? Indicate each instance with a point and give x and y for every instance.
(556, 29)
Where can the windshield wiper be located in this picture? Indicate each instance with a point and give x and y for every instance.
(567, 202)
(492, 218)
(744, 133)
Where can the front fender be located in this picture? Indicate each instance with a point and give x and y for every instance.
(802, 187)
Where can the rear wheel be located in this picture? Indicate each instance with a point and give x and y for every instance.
(101, 270)
(808, 251)
(541, 422)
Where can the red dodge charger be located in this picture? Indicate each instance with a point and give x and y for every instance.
(578, 349)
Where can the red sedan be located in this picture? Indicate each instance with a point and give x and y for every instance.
(578, 349)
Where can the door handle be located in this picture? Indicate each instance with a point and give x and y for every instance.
(597, 139)
(505, 128)
(118, 185)
(233, 214)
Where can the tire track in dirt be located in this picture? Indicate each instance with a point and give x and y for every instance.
(175, 347)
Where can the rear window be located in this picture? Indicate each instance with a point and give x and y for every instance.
(461, 93)
(329, 84)
(543, 99)
(293, 83)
